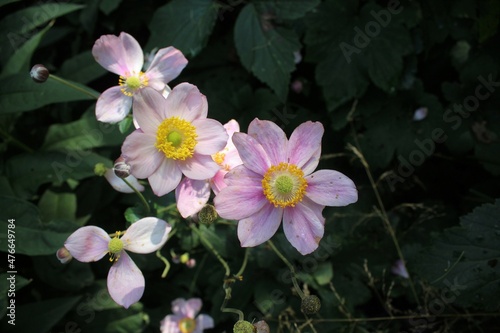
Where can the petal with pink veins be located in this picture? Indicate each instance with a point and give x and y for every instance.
(121, 55)
(252, 153)
(167, 64)
(236, 203)
(271, 137)
(260, 227)
(331, 188)
(304, 226)
(243, 177)
(148, 106)
(112, 105)
(146, 235)
(88, 243)
(125, 281)
(186, 102)
(140, 153)
(304, 147)
(211, 136)
(199, 167)
(166, 178)
(191, 196)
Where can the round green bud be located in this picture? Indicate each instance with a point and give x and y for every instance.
(310, 304)
(243, 326)
(207, 215)
(100, 169)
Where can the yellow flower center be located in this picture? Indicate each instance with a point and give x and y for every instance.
(130, 83)
(187, 325)
(115, 247)
(284, 185)
(176, 138)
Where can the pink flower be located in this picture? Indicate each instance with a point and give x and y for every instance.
(399, 269)
(125, 280)
(184, 319)
(191, 195)
(175, 137)
(123, 55)
(119, 185)
(276, 183)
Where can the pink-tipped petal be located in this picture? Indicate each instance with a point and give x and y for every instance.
(259, 227)
(304, 146)
(88, 244)
(112, 106)
(166, 66)
(148, 106)
(199, 167)
(304, 226)
(236, 203)
(166, 178)
(203, 322)
(252, 153)
(125, 281)
(212, 136)
(241, 176)
(121, 55)
(146, 235)
(331, 188)
(140, 153)
(119, 185)
(189, 308)
(271, 137)
(186, 102)
(191, 195)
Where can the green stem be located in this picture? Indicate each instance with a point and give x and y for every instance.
(71, 85)
(166, 262)
(139, 194)
(290, 266)
(244, 264)
(209, 246)
(16, 142)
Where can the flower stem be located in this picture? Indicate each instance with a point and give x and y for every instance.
(14, 141)
(209, 246)
(165, 261)
(71, 85)
(244, 264)
(139, 194)
(290, 266)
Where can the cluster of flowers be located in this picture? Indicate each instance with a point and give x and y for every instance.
(259, 178)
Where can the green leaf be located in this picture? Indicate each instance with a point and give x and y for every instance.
(54, 206)
(32, 236)
(324, 274)
(6, 2)
(108, 6)
(82, 68)
(464, 260)
(71, 276)
(184, 24)
(21, 282)
(19, 93)
(265, 50)
(287, 9)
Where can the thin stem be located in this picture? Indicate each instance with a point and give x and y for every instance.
(139, 194)
(244, 264)
(209, 246)
(15, 141)
(166, 262)
(290, 266)
(71, 85)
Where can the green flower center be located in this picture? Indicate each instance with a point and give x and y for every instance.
(176, 138)
(133, 82)
(284, 185)
(187, 325)
(115, 247)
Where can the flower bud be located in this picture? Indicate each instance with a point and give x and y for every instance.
(243, 326)
(63, 255)
(191, 263)
(207, 215)
(261, 327)
(100, 169)
(39, 73)
(121, 169)
(310, 304)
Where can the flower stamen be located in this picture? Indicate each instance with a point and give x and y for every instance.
(131, 83)
(115, 247)
(284, 185)
(176, 138)
(187, 325)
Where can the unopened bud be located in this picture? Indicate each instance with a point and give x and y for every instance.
(121, 169)
(207, 215)
(63, 255)
(184, 258)
(191, 263)
(261, 327)
(100, 169)
(39, 73)
(310, 304)
(243, 326)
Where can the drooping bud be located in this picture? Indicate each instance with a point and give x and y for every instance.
(310, 304)
(121, 169)
(207, 215)
(64, 255)
(243, 326)
(261, 327)
(39, 73)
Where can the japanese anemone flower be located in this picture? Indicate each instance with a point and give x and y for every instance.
(185, 319)
(123, 56)
(276, 183)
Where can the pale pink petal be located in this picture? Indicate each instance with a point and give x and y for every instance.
(212, 136)
(232, 158)
(166, 178)
(119, 185)
(259, 227)
(271, 137)
(166, 66)
(304, 145)
(148, 106)
(186, 102)
(191, 196)
(304, 226)
(252, 153)
(187, 308)
(203, 322)
(121, 55)
(140, 153)
(146, 235)
(125, 281)
(236, 203)
(112, 105)
(331, 188)
(170, 324)
(88, 244)
(231, 127)
(243, 177)
(217, 182)
(198, 167)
